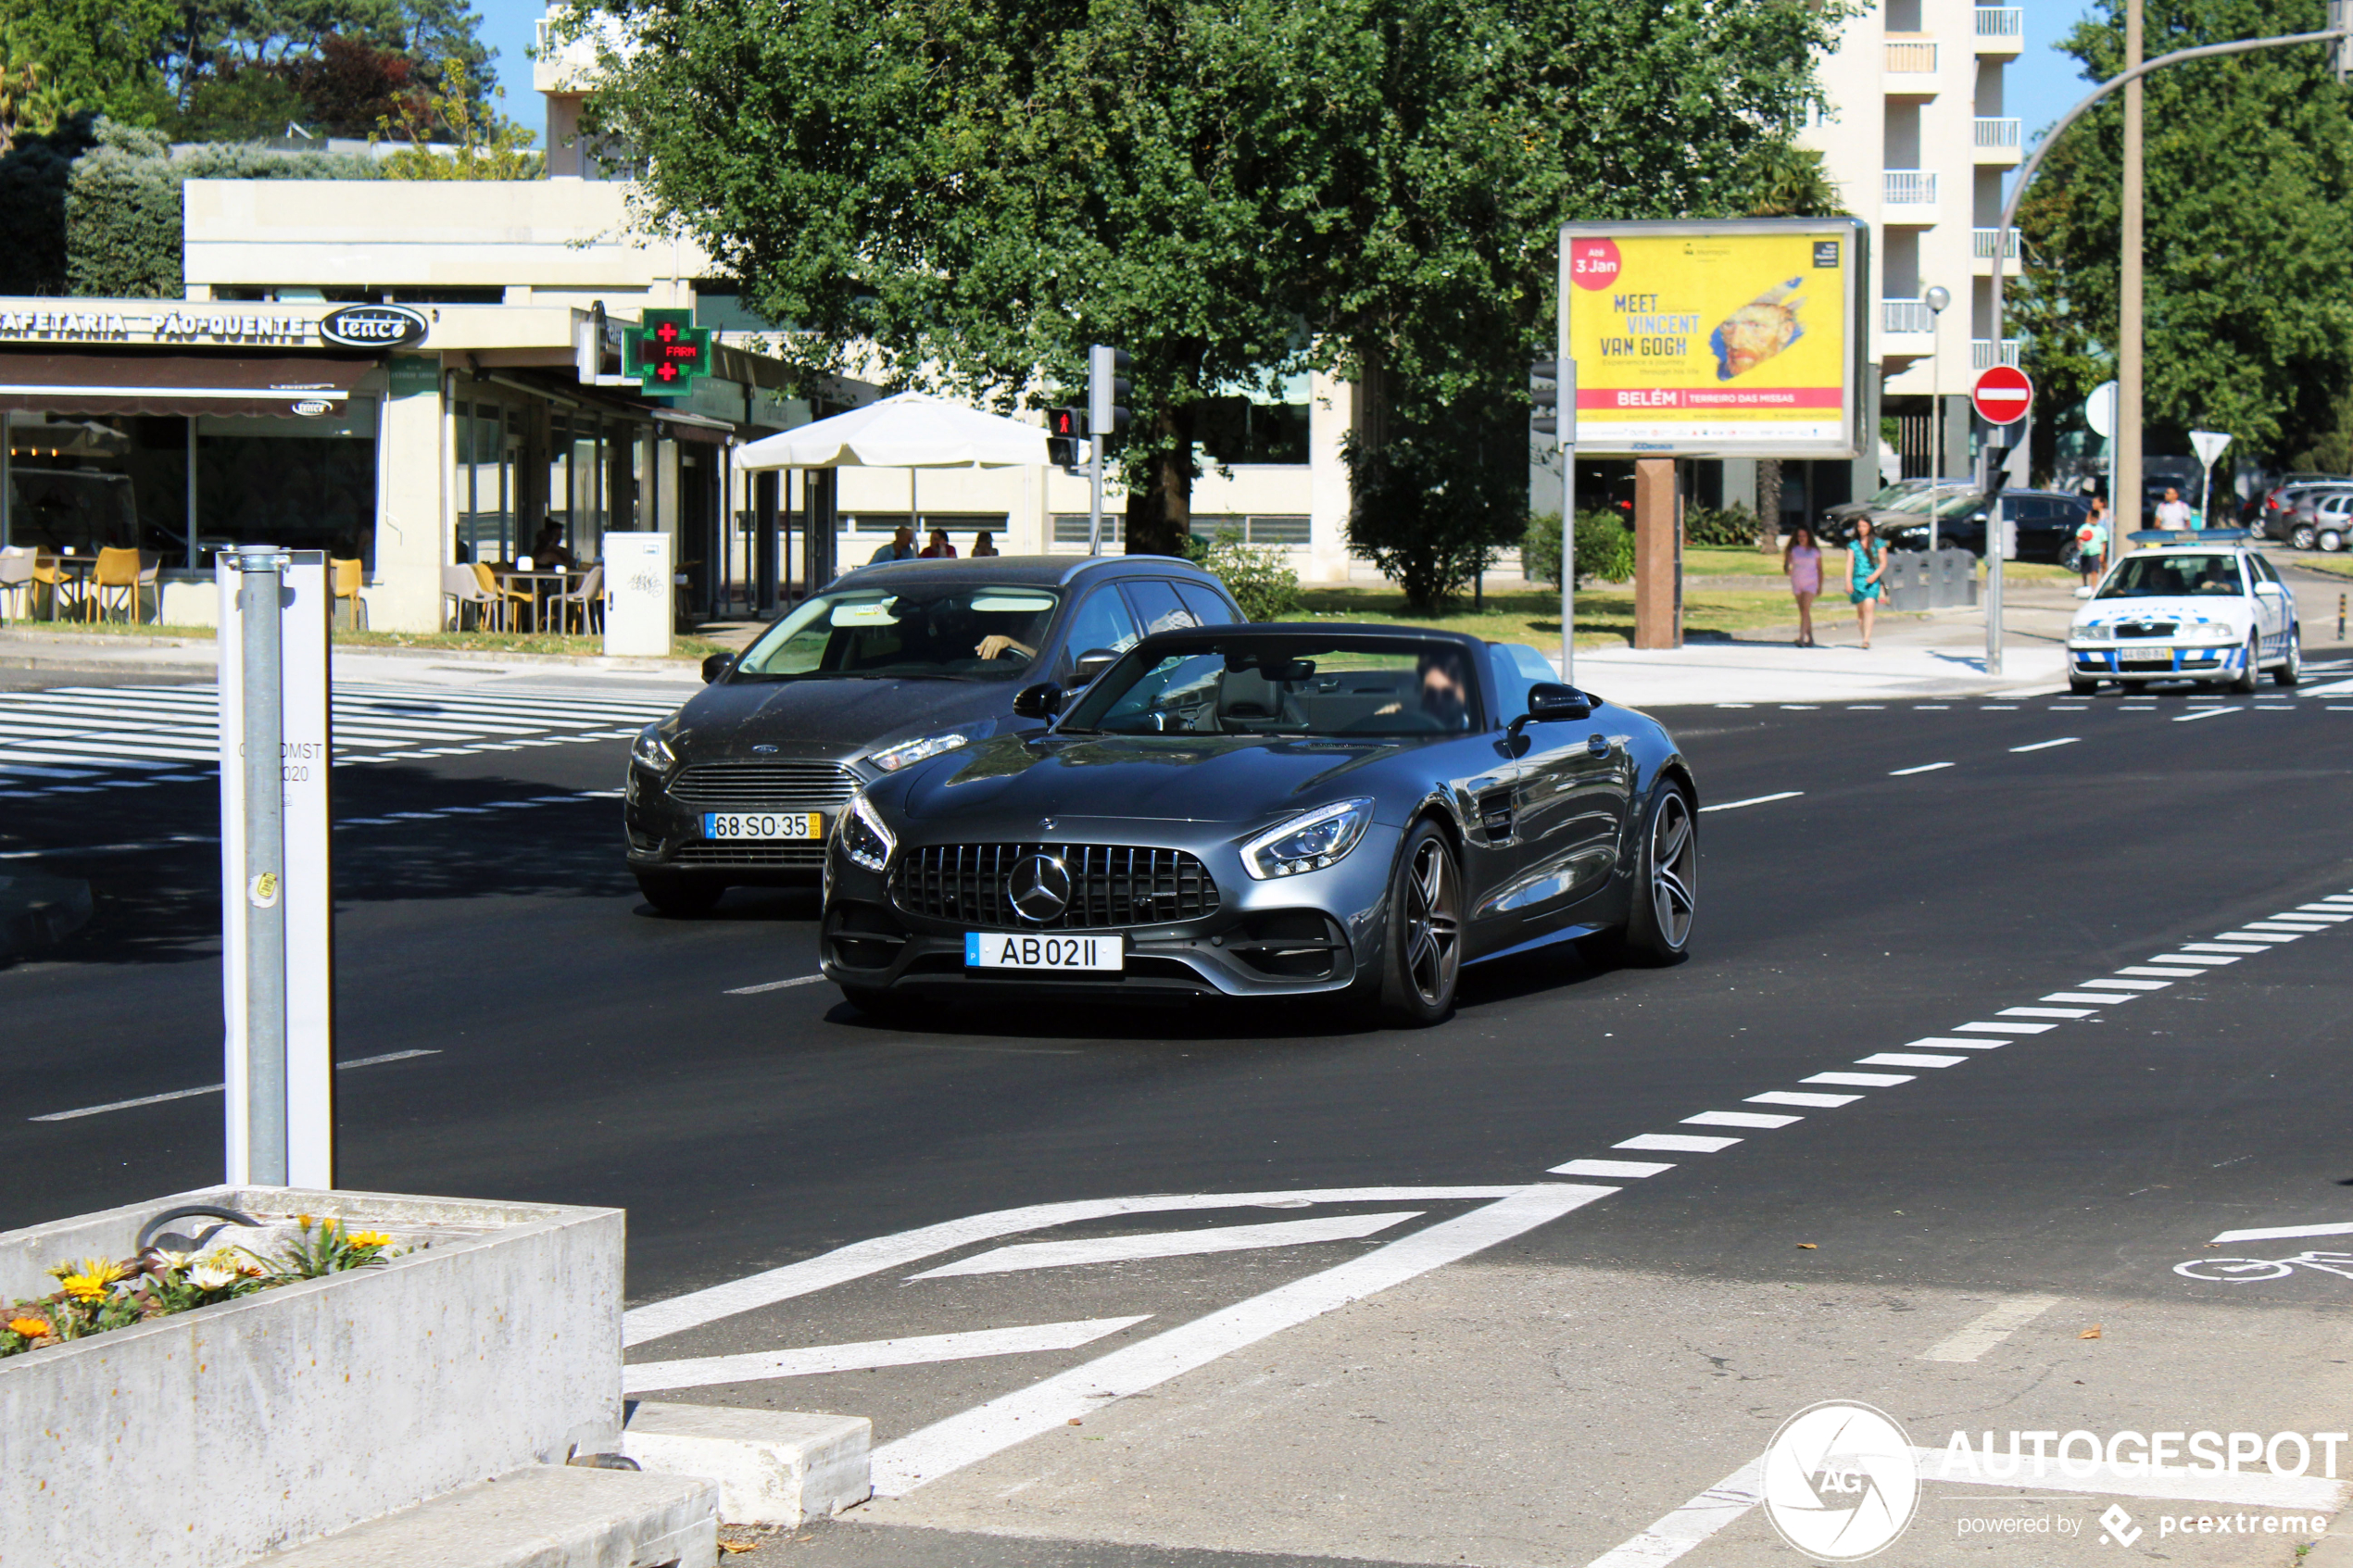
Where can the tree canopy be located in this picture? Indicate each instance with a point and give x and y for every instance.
(968, 192)
(2249, 291)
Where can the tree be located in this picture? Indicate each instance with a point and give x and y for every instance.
(63, 58)
(968, 192)
(2248, 312)
(484, 145)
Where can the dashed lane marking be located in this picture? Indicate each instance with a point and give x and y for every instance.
(1791, 1097)
(2205, 713)
(210, 1089)
(776, 986)
(1626, 1168)
(1752, 800)
(1924, 768)
(1908, 1058)
(1989, 1329)
(1676, 1143)
(1740, 1119)
(1862, 1080)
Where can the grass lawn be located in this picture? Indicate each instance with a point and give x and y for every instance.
(1604, 616)
(2336, 565)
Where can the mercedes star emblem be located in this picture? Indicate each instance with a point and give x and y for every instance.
(1040, 886)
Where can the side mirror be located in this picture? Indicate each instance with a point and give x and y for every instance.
(1041, 701)
(1093, 662)
(1549, 699)
(2271, 590)
(716, 665)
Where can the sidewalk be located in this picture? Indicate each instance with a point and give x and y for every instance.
(164, 658)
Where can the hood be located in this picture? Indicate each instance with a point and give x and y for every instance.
(2183, 611)
(1180, 778)
(833, 716)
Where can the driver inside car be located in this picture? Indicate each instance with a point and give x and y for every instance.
(1446, 692)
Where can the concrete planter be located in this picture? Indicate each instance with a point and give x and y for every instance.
(213, 1436)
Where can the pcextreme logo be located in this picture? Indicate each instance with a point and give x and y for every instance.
(1840, 1484)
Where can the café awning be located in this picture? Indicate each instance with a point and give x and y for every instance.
(178, 384)
(910, 431)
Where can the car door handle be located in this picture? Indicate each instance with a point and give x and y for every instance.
(1597, 744)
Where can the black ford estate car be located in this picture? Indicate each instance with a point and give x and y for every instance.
(889, 665)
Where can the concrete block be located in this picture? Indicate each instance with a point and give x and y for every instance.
(548, 1516)
(300, 1410)
(772, 1467)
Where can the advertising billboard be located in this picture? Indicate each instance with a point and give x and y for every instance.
(1738, 338)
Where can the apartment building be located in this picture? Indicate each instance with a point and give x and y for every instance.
(1919, 138)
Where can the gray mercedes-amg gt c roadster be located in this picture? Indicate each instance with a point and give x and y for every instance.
(1261, 811)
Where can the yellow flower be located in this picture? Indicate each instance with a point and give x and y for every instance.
(81, 1287)
(370, 1238)
(102, 1270)
(31, 1328)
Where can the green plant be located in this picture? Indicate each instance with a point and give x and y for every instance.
(485, 143)
(1604, 548)
(1259, 577)
(1735, 524)
(323, 1247)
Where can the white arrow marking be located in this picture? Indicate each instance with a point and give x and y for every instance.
(1168, 1243)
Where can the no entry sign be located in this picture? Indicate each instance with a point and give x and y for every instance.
(2002, 396)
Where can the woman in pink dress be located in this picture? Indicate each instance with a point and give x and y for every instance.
(1803, 563)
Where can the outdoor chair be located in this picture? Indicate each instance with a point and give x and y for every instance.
(47, 573)
(588, 599)
(348, 577)
(459, 584)
(115, 579)
(151, 582)
(503, 599)
(17, 562)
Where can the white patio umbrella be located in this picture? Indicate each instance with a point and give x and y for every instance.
(910, 431)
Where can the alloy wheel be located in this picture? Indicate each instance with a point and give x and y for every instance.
(1433, 922)
(1674, 853)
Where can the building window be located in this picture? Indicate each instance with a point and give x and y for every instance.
(1255, 528)
(1242, 430)
(1070, 528)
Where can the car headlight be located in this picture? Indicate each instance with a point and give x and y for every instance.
(891, 758)
(1310, 842)
(650, 750)
(2218, 633)
(864, 838)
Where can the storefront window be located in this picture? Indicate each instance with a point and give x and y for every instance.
(305, 483)
(488, 455)
(88, 482)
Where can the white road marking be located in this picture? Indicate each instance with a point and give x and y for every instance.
(776, 985)
(1951, 1043)
(974, 1434)
(2300, 928)
(2087, 996)
(2225, 947)
(2191, 958)
(2150, 968)
(210, 1089)
(1861, 1080)
(2006, 1026)
(1791, 1097)
(2127, 984)
(1739, 1119)
(2044, 1012)
(2046, 744)
(916, 1349)
(1752, 800)
(1907, 1058)
(1676, 1143)
(1631, 1168)
(1693, 1524)
(2318, 911)
(1989, 1329)
(1924, 768)
(872, 1256)
(2207, 714)
(1169, 1243)
(2279, 1233)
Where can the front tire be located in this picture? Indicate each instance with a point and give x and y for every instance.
(2331, 540)
(681, 897)
(2302, 535)
(2077, 686)
(2245, 679)
(2291, 669)
(1422, 945)
(1665, 895)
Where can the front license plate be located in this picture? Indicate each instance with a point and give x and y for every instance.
(1005, 949)
(763, 824)
(2148, 661)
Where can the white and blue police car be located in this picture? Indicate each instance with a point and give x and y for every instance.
(2188, 605)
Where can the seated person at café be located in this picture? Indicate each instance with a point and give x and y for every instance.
(548, 552)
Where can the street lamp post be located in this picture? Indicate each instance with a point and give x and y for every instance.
(1937, 297)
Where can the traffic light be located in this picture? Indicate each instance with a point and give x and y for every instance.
(666, 352)
(1544, 395)
(1108, 389)
(1064, 428)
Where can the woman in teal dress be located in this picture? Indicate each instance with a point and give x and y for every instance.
(1866, 564)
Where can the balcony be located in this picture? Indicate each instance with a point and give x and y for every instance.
(1997, 141)
(2001, 30)
(1909, 196)
(1984, 243)
(1980, 352)
(1911, 68)
(1906, 318)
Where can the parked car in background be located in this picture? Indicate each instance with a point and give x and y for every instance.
(2046, 521)
(2330, 524)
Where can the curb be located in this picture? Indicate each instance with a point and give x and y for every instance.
(131, 655)
(37, 910)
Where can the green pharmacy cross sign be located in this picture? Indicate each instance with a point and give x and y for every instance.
(666, 352)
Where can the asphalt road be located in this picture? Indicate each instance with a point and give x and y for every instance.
(1876, 876)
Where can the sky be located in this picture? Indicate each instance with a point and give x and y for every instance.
(508, 27)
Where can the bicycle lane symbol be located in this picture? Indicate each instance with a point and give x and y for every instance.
(2247, 1271)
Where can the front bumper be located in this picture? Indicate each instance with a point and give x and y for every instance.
(1302, 935)
(2156, 661)
(665, 837)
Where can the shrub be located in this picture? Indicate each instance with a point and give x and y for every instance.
(1259, 577)
(1604, 548)
(1734, 526)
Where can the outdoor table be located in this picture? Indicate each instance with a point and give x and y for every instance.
(541, 585)
(77, 571)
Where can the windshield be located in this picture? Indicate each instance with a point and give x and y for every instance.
(969, 633)
(2168, 576)
(1366, 687)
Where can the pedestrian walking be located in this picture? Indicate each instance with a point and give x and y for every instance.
(1866, 564)
(2091, 542)
(1801, 564)
(2172, 512)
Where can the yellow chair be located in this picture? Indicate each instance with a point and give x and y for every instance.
(47, 573)
(117, 575)
(348, 575)
(503, 599)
